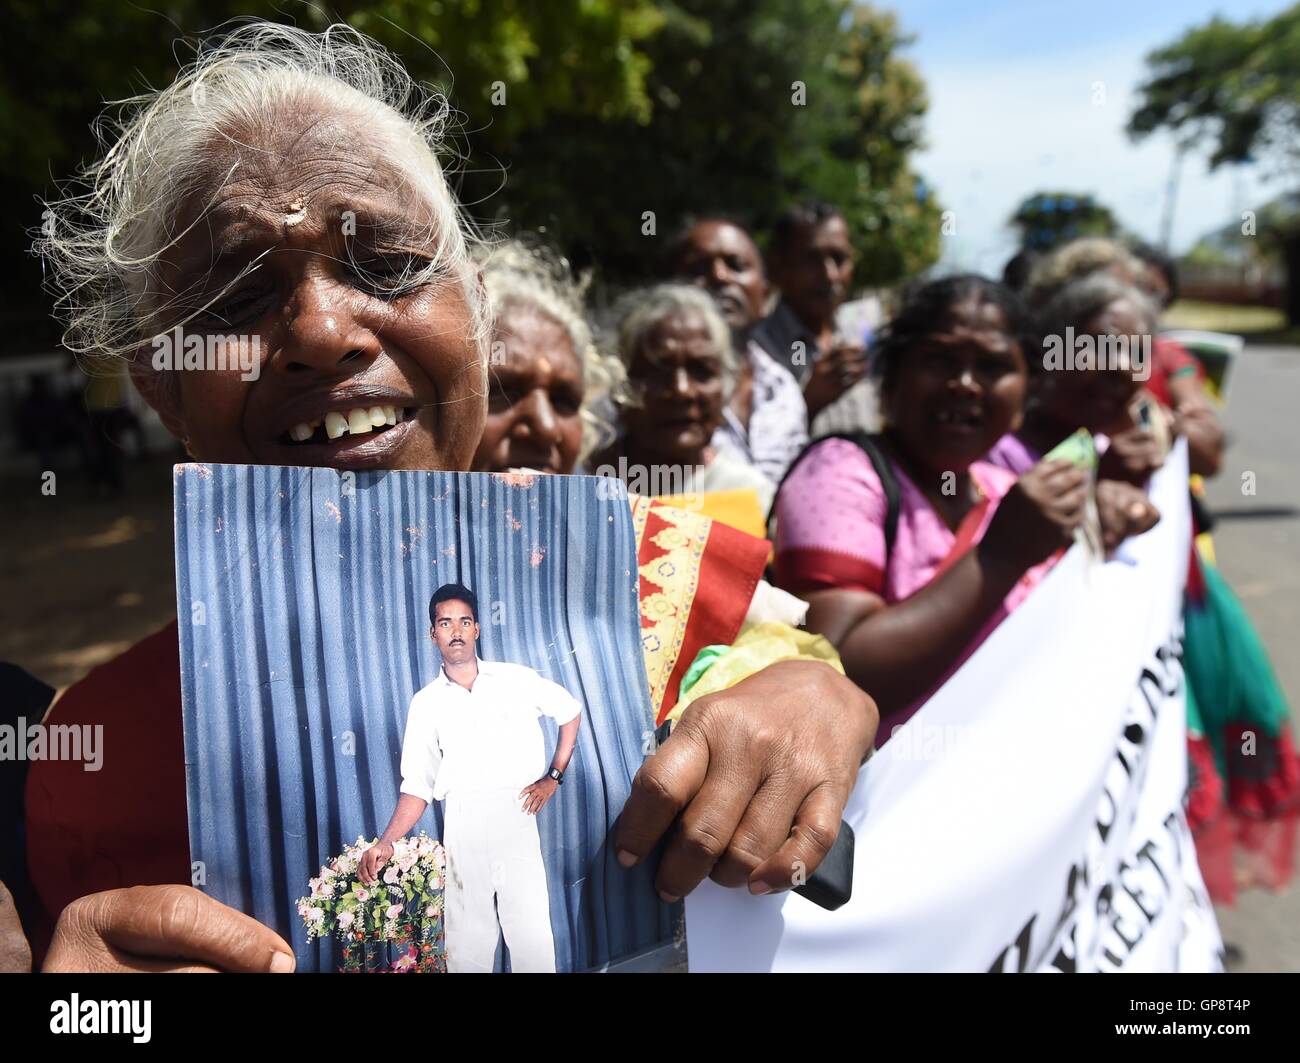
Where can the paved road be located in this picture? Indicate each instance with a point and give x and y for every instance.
(1258, 543)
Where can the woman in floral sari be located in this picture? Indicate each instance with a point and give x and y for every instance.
(284, 192)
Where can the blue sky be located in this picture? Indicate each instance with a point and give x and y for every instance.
(1012, 111)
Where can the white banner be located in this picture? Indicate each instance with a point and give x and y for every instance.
(1030, 816)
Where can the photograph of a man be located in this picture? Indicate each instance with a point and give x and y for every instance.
(473, 740)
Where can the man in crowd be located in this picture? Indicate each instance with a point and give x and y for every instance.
(812, 332)
(766, 422)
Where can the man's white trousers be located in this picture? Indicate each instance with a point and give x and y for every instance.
(495, 872)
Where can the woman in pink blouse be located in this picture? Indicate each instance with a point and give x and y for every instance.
(907, 571)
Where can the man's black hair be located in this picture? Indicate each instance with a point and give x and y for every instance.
(810, 214)
(453, 592)
(927, 307)
(676, 244)
(1015, 274)
(1153, 256)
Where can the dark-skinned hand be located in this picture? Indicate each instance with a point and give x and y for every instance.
(1037, 516)
(1133, 455)
(1124, 510)
(749, 788)
(833, 374)
(162, 929)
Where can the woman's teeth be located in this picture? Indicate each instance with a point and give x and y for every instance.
(357, 421)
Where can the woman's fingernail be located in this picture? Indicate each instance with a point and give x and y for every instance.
(668, 898)
(282, 963)
(626, 859)
(759, 888)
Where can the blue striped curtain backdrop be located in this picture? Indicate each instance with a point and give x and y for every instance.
(303, 602)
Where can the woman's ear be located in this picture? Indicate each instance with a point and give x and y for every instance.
(158, 388)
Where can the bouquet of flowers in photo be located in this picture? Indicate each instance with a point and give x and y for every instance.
(393, 924)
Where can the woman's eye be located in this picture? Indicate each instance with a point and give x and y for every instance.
(995, 367)
(565, 404)
(938, 359)
(391, 274)
(503, 398)
(234, 309)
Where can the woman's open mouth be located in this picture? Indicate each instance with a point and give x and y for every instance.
(961, 421)
(346, 424)
(352, 437)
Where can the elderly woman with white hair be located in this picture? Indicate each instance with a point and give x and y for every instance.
(681, 368)
(1231, 687)
(1078, 259)
(547, 379)
(1174, 376)
(285, 192)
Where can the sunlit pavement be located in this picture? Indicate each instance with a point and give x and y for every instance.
(1258, 543)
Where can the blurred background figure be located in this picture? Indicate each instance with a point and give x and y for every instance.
(1061, 402)
(766, 421)
(1244, 777)
(1077, 259)
(1178, 378)
(1019, 267)
(547, 381)
(45, 421)
(811, 331)
(681, 367)
(1159, 275)
(109, 420)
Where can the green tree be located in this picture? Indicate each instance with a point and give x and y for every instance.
(1048, 219)
(856, 153)
(752, 104)
(1235, 89)
(575, 117)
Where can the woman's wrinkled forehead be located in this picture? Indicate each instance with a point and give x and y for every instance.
(680, 332)
(304, 173)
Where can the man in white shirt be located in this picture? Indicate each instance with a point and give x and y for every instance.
(473, 740)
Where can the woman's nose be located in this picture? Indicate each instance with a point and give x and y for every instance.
(322, 333)
(681, 383)
(965, 380)
(537, 415)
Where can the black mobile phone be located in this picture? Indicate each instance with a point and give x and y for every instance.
(831, 885)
